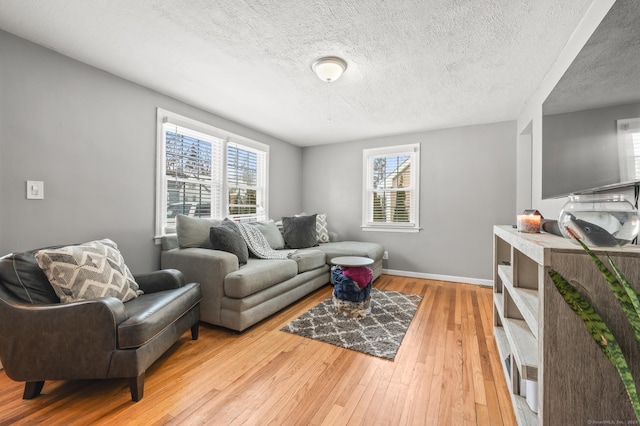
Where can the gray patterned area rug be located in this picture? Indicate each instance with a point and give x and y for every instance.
(379, 333)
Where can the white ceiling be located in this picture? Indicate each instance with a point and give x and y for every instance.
(413, 65)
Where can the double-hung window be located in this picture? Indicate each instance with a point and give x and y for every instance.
(203, 171)
(391, 193)
(246, 182)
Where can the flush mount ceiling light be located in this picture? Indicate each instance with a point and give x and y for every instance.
(329, 68)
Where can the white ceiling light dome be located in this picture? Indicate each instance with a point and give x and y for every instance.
(329, 68)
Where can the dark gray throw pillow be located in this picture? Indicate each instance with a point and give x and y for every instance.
(300, 231)
(227, 237)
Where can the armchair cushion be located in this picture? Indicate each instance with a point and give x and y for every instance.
(88, 271)
(151, 314)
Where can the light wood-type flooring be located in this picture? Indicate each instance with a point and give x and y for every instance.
(447, 372)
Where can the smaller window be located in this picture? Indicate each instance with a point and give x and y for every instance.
(390, 194)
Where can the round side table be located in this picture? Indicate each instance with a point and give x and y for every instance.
(348, 297)
(351, 261)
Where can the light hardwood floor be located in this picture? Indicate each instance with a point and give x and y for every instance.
(447, 372)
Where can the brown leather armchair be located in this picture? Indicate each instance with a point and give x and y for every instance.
(43, 339)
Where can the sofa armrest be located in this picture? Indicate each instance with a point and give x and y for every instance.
(165, 279)
(207, 267)
(78, 338)
(191, 261)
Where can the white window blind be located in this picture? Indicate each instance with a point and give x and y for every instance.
(246, 182)
(193, 174)
(391, 195)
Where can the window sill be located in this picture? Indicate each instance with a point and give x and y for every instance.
(157, 240)
(390, 229)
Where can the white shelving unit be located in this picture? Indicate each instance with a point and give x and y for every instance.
(542, 341)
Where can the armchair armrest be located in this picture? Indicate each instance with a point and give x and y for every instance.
(78, 338)
(165, 279)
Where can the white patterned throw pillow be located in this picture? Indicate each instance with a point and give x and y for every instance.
(88, 271)
(322, 228)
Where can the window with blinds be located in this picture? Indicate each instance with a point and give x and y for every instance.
(206, 172)
(246, 182)
(193, 171)
(390, 195)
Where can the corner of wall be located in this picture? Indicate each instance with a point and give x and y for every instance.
(532, 112)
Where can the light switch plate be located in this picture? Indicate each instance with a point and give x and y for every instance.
(35, 190)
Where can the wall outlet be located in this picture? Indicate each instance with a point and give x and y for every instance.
(385, 256)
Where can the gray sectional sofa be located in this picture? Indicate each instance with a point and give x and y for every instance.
(238, 296)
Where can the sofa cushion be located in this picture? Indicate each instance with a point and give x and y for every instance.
(151, 313)
(21, 275)
(194, 231)
(257, 275)
(271, 233)
(300, 231)
(309, 260)
(88, 271)
(227, 237)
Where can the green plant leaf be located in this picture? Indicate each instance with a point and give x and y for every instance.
(619, 290)
(631, 292)
(601, 333)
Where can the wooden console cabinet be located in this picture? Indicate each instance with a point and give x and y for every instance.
(541, 340)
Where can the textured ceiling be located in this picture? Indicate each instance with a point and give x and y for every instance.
(413, 65)
(606, 72)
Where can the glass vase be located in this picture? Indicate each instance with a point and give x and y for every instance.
(600, 220)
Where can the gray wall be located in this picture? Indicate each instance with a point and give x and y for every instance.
(467, 185)
(91, 137)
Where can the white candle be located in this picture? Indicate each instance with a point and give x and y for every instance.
(529, 223)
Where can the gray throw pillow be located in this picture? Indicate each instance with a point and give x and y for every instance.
(194, 231)
(271, 233)
(88, 271)
(300, 231)
(227, 237)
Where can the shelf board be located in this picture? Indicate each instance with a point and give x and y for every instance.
(521, 343)
(498, 301)
(503, 350)
(524, 415)
(505, 272)
(524, 347)
(526, 299)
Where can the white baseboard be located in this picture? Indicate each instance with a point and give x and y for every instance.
(465, 280)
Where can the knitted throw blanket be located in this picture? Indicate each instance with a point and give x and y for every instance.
(258, 244)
